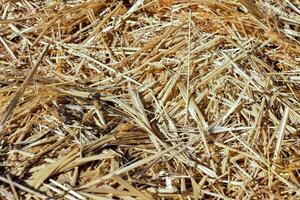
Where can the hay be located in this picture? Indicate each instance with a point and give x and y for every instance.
(162, 99)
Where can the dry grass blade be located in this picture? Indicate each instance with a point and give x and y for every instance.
(23, 188)
(281, 133)
(13, 103)
(131, 167)
(12, 187)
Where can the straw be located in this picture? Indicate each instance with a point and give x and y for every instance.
(150, 99)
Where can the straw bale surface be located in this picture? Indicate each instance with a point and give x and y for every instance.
(150, 99)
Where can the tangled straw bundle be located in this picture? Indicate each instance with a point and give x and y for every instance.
(150, 99)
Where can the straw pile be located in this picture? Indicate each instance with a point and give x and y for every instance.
(150, 99)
